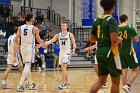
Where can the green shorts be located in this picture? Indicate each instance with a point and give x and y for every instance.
(106, 65)
(128, 60)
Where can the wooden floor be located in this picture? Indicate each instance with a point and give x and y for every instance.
(80, 79)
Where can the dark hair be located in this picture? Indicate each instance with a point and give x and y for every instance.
(64, 22)
(28, 16)
(123, 18)
(14, 30)
(107, 4)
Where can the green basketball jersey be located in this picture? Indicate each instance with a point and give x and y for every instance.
(102, 27)
(126, 32)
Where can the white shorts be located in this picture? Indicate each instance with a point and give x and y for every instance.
(28, 55)
(10, 59)
(64, 59)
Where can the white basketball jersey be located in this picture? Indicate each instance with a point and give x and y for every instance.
(11, 41)
(65, 44)
(27, 36)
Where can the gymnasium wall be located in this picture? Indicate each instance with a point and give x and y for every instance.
(16, 5)
(65, 8)
(43, 4)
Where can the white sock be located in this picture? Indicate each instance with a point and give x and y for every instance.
(25, 72)
(3, 82)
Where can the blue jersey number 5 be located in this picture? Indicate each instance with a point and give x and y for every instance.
(25, 32)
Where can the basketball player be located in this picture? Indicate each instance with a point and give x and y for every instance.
(104, 30)
(28, 33)
(127, 52)
(95, 65)
(65, 39)
(11, 60)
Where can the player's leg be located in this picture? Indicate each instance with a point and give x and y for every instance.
(5, 75)
(115, 88)
(96, 68)
(20, 68)
(133, 75)
(124, 76)
(114, 73)
(24, 75)
(95, 87)
(95, 65)
(64, 72)
(55, 61)
(102, 76)
(131, 61)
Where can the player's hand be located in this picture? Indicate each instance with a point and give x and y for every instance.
(120, 43)
(38, 46)
(86, 49)
(45, 45)
(73, 51)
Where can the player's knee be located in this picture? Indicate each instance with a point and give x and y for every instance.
(136, 69)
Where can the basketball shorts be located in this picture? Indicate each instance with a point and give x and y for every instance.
(106, 64)
(16, 62)
(128, 60)
(28, 55)
(64, 59)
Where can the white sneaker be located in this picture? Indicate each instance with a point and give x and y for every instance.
(33, 86)
(103, 86)
(39, 69)
(127, 89)
(3, 84)
(64, 85)
(20, 88)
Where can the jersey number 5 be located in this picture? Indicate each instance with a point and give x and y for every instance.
(25, 32)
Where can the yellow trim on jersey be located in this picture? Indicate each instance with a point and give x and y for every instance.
(132, 49)
(103, 16)
(115, 50)
(123, 24)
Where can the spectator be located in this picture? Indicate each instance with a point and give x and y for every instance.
(137, 50)
(56, 54)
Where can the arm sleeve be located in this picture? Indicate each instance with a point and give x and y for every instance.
(113, 27)
(133, 31)
(94, 29)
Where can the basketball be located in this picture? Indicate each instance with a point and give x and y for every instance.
(92, 38)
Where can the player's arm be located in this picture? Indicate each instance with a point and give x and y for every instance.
(16, 44)
(39, 40)
(135, 36)
(55, 38)
(73, 42)
(92, 37)
(14, 49)
(90, 48)
(113, 27)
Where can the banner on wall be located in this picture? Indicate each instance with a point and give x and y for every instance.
(88, 12)
(116, 13)
(5, 1)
